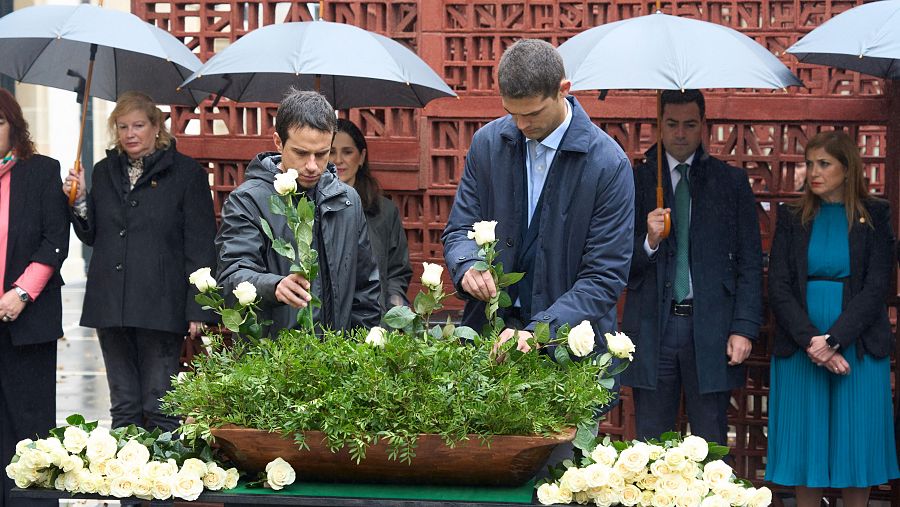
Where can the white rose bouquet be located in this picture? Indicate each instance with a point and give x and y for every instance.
(669, 471)
(83, 458)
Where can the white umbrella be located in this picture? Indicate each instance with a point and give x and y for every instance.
(865, 39)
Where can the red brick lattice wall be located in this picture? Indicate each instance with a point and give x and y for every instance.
(418, 155)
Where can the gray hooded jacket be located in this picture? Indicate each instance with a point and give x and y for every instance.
(246, 254)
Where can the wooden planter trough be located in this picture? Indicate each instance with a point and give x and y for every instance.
(505, 461)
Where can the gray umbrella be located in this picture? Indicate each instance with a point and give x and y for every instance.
(350, 66)
(94, 52)
(51, 45)
(865, 39)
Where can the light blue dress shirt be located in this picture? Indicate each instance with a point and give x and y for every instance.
(540, 155)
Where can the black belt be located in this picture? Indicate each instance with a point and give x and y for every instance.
(683, 309)
(842, 279)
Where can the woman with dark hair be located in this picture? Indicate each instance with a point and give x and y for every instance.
(830, 412)
(34, 241)
(149, 216)
(349, 154)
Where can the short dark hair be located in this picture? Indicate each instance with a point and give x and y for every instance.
(365, 184)
(684, 97)
(299, 109)
(19, 137)
(530, 68)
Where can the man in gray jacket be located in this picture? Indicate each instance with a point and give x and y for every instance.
(347, 283)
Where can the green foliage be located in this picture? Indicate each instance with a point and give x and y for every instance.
(358, 394)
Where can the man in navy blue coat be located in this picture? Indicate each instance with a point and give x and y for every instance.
(693, 327)
(561, 191)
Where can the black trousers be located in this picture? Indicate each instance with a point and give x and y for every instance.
(27, 403)
(656, 410)
(139, 366)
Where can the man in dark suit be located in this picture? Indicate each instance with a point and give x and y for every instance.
(694, 301)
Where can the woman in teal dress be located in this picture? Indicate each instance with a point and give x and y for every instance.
(830, 413)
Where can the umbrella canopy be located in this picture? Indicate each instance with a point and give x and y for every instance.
(865, 39)
(663, 52)
(51, 45)
(350, 66)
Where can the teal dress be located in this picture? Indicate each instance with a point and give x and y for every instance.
(828, 430)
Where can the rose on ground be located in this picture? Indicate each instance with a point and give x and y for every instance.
(376, 337)
(279, 473)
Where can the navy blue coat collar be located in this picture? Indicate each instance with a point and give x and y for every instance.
(577, 138)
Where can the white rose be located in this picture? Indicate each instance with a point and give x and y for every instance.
(122, 487)
(574, 480)
(714, 501)
(202, 279)
(647, 498)
(161, 489)
(60, 483)
(741, 494)
(760, 497)
(656, 451)
(245, 293)
(649, 482)
(483, 232)
(695, 447)
(215, 477)
(581, 339)
(134, 453)
(691, 471)
(660, 469)
(663, 499)
(672, 484)
(231, 478)
(547, 493)
(376, 337)
(630, 495)
(605, 496)
(581, 497)
(564, 495)
(105, 486)
(71, 463)
(187, 485)
(101, 446)
(286, 182)
(605, 455)
(74, 439)
(687, 498)
(52, 446)
(716, 472)
(431, 275)
(194, 466)
(700, 488)
(70, 483)
(279, 473)
(675, 458)
(616, 480)
(143, 488)
(620, 345)
(35, 459)
(597, 475)
(22, 445)
(635, 458)
(92, 483)
(98, 467)
(116, 468)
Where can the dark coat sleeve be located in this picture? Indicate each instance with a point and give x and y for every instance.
(748, 309)
(460, 252)
(85, 227)
(640, 261)
(399, 270)
(366, 309)
(869, 303)
(790, 312)
(54, 245)
(199, 236)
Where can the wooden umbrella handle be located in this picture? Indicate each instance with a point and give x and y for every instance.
(73, 191)
(667, 225)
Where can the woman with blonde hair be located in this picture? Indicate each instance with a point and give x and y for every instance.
(830, 415)
(149, 216)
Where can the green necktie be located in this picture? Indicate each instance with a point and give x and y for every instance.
(682, 231)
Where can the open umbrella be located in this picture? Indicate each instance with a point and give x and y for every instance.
(95, 52)
(865, 38)
(664, 52)
(352, 67)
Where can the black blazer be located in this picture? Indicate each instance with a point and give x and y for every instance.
(864, 317)
(38, 232)
(146, 242)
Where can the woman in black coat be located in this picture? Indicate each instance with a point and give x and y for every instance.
(149, 216)
(349, 154)
(830, 411)
(34, 241)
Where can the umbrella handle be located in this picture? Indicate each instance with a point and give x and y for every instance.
(73, 192)
(667, 224)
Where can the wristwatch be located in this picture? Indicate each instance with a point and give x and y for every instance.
(832, 342)
(23, 295)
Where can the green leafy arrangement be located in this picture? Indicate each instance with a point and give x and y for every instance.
(358, 393)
